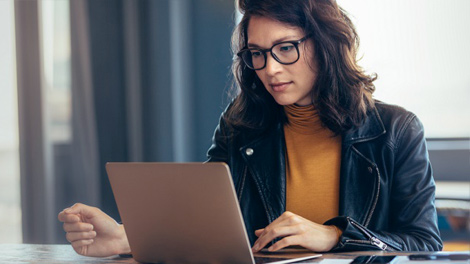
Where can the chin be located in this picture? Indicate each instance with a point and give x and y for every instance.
(284, 101)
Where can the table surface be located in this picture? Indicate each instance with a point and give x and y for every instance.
(27, 253)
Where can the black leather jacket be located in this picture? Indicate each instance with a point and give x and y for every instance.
(386, 184)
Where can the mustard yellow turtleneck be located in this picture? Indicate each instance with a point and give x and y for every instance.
(313, 162)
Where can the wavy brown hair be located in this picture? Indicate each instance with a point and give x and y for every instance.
(342, 93)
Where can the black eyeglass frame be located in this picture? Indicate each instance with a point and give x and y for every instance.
(265, 51)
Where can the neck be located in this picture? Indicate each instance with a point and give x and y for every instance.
(303, 119)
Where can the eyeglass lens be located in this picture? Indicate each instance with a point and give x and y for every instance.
(285, 53)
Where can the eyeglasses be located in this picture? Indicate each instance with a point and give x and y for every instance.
(286, 52)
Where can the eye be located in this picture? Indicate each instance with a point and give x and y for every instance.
(286, 48)
(255, 53)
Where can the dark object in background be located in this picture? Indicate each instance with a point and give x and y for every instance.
(440, 256)
(374, 259)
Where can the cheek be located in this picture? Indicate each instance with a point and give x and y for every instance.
(309, 71)
(312, 75)
(310, 65)
(305, 78)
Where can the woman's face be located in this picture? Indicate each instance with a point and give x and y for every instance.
(288, 84)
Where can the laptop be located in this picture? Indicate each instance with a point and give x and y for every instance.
(183, 213)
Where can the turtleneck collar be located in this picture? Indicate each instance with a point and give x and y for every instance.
(303, 119)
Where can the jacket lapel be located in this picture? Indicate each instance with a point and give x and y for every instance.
(360, 176)
(265, 158)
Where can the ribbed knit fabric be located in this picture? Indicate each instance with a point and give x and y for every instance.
(313, 162)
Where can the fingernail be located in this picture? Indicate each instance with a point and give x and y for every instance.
(68, 210)
(270, 248)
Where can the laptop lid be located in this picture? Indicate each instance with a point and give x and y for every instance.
(177, 213)
(180, 212)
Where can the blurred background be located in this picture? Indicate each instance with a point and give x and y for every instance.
(86, 82)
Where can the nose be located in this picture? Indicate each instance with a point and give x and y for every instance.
(272, 65)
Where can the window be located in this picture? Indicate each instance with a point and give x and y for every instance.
(10, 208)
(419, 49)
(55, 29)
(54, 49)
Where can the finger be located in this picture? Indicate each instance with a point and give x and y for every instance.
(285, 242)
(286, 215)
(78, 245)
(75, 236)
(286, 219)
(61, 215)
(78, 227)
(276, 232)
(259, 232)
(68, 218)
(81, 209)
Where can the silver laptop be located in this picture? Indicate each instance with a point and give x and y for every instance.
(183, 213)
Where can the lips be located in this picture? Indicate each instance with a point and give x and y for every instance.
(279, 86)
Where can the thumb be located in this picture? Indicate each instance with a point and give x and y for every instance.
(81, 209)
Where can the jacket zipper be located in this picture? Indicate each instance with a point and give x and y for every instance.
(376, 198)
(371, 212)
(242, 184)
(373, 240)
(378, 244)
(265, 205)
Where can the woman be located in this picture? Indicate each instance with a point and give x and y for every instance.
(316, 162)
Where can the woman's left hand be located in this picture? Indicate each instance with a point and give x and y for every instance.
(297, 231)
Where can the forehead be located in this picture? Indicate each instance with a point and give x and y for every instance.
(264, 32)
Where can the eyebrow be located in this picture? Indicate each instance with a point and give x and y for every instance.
(253, 45)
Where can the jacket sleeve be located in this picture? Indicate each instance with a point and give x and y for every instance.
(413, 217)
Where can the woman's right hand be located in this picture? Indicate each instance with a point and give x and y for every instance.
(92, 232)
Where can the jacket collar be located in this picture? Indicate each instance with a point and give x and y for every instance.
(372, 128)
